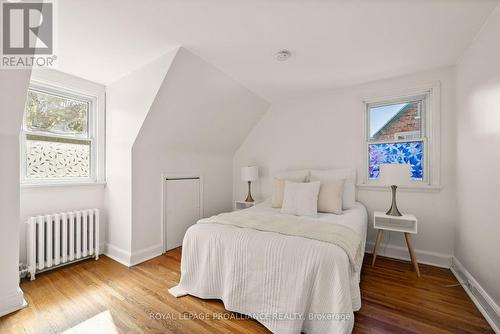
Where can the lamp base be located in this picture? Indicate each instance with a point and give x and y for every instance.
(393, 210)
(249, 196)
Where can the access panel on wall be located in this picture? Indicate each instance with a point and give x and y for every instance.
(182, 208)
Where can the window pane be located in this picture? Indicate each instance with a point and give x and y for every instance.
(48, 157)
(396, 121)
(397, 153)
(56, 114)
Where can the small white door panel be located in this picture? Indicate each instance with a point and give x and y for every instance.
(182, 205)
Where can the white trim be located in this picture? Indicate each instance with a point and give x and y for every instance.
(118, 254)
(146, 254)
(131, 259)
(431, 125)
(63, 184)
(424, 188)
(482, 300)
(163, 180)
(401, 253)
(58, 82)
(406, 133)
(12, 302)
(90, 136)
(423, 99)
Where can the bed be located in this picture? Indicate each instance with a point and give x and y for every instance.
(291, 280)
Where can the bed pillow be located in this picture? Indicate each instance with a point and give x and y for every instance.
(299, 175)
(330, 196)
(301, 199)
(349, 194)
(279, 184)
(278, 191)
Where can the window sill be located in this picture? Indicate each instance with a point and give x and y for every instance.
(416, 188)
(62, 184)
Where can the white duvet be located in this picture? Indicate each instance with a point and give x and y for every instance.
(290, 284)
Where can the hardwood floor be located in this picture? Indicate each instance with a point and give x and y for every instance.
(106, 297)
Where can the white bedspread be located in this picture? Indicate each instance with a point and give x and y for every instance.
(288, 283)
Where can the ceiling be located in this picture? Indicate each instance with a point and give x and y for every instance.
(333, 43)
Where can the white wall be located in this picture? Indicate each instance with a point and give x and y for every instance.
(326, 130)
(36, 200)
(196, 123)
(13, 87)
(128, 101)
(478, 158)
(52, 199)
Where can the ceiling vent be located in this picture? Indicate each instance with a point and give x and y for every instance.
(283, 55)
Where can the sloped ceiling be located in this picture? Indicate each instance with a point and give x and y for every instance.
(197, 121)
(199, 109)
(13, 88)
(333, 43)
(130, 98)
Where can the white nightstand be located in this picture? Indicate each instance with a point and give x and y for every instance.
(405, 223)
(240, 205)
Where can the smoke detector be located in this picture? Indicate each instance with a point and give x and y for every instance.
(283, 55)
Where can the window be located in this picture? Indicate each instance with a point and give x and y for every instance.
(58, 136)
(397, 134)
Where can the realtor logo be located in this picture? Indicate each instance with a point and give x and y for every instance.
(27, 34)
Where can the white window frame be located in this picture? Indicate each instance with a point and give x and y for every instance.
(58, 83)
(430, 133)
(406, 133)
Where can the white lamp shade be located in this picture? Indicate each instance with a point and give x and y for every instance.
(249, 173)
(395, 174)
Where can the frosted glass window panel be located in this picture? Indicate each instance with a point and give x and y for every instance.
(56, 158)
(56, 114)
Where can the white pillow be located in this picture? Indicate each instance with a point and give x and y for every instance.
(279, 184)
(349, 195)
(330, 196)
(301, 199)
(300, 175)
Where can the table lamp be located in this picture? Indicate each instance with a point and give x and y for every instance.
(394, 175)
(249, 174)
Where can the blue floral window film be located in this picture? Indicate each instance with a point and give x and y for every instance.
(397, 153)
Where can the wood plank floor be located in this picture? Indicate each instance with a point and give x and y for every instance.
(105, 297)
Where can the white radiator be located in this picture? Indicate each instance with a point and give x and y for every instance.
(57, 239)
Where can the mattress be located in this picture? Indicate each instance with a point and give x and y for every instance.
(290, 284)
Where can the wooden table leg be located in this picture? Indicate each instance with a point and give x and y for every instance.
(377, 245)
(412, 253)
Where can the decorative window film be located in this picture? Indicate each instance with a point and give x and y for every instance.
(396, 134)
(397, 153)
(49, 158)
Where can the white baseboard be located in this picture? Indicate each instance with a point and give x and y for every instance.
(131, 259)
(146, 254)
(483, 301)
(401, 253)
(118, 254)
(12, 302)
(102, 248)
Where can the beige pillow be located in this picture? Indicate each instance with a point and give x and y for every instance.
(349, 196)
(279, 190)
(330, 196)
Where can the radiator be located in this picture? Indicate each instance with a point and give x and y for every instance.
(54, 240)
